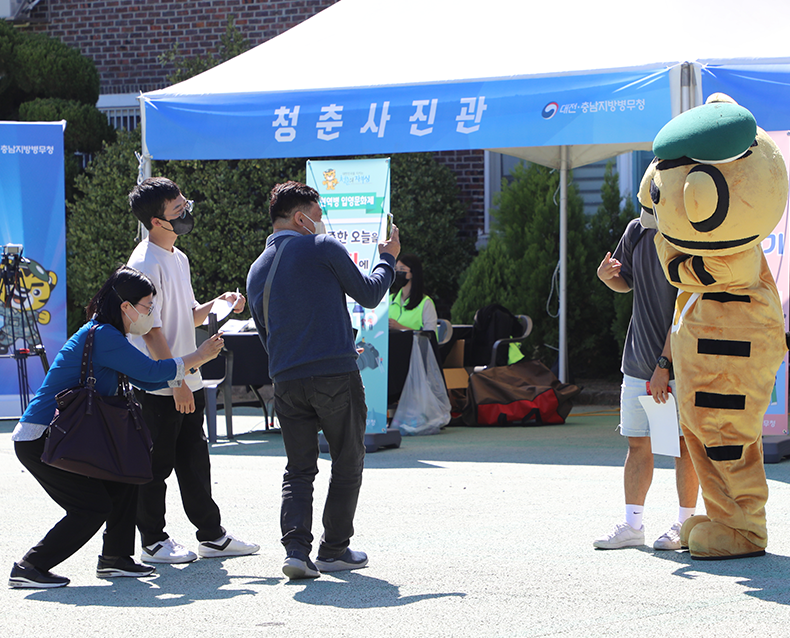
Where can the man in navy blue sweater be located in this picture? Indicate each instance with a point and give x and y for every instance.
(313, 363)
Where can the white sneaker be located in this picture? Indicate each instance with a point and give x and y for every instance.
(226, 545)
(167, 551)
(669, 539)
(623, 535)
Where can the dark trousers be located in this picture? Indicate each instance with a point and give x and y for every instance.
(179, 444)
(88, 502)
(336, 405)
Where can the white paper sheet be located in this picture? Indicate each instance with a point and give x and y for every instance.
(238, 325)
(663, 417)
(221, 308)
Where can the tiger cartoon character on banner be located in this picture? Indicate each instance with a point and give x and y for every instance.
(716, 189)
(31, 293)
(330, 179)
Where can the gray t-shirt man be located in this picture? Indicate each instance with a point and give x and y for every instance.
(654, 300)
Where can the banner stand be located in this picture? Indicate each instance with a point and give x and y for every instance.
(373, 442)
(355, 199)
(775, 448)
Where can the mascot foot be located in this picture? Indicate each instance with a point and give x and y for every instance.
(685, 530)
(714, 541)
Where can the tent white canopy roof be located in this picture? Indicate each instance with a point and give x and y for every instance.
(364, 43)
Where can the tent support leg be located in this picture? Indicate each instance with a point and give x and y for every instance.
(563, 367)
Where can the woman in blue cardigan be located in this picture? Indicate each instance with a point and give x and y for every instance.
(122, 306)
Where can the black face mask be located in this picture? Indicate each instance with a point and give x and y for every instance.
(181, 225)
(400, 281)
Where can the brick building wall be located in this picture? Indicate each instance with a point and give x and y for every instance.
(469, 169)
(125, 38)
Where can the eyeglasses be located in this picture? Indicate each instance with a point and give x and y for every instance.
(188, 206)
(150, 308)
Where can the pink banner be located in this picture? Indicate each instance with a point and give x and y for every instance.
(775, 247)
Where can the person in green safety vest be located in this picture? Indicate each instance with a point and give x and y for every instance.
(410, 307)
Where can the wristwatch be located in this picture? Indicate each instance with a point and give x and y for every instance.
(664, 363)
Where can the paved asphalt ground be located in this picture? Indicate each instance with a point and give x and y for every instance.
(473, 532)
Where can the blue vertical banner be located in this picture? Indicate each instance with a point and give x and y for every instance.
(355, 198)
(33, 240)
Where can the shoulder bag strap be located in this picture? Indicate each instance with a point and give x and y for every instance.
(86, 369)
(267, 287)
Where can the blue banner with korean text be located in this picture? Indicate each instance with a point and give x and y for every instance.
(33, 271)
(607, 108)
(355, 198)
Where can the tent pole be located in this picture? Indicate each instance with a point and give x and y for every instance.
(145, 157)
(144, 170)
(563, 263)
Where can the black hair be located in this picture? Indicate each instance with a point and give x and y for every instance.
(125, 284)
(150, 198)
(417, 287)
(286, 198)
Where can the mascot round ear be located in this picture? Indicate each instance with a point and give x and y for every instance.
(647, 218)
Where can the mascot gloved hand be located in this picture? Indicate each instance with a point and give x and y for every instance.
(717, 188)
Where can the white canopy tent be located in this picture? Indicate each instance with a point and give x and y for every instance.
(558, 84)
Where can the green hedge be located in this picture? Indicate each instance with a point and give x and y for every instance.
(232, 221)
(427, 210)
(100, 230)
(34, 65)
(87, 127)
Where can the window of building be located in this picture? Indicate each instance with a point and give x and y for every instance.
(122, 110)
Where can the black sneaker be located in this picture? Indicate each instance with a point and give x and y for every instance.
(31, 578)
(298, 565)
(118, 566)
(347, 560)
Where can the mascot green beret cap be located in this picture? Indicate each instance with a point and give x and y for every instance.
(709, 134)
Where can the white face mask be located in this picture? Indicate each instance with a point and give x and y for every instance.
(143, 324)
(320, 229)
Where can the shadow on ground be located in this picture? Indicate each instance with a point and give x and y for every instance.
(764, 577)
(208, 580)
(355, 590)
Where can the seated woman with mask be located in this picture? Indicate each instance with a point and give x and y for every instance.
(410, 307)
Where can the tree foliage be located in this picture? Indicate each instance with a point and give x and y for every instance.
(43, 80)
(231, 216)
(606, 228)
(100, 229)
(517, 268)
(426, 208)
(87, 127)
(35, 66)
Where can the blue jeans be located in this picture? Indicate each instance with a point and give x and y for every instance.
(336, 405)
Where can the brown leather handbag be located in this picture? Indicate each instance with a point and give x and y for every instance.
(100, 437)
